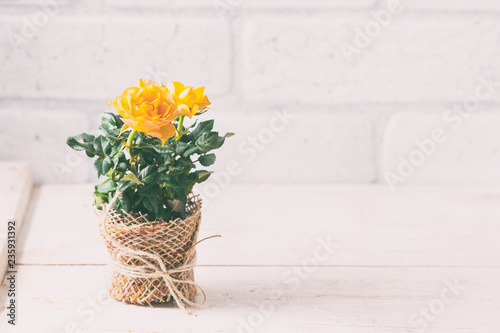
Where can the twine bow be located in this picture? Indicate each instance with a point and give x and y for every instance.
(151, 266)
(156, 269)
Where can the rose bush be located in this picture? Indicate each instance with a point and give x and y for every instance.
(145, 155)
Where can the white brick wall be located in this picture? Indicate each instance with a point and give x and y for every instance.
(355, 117)
(417, 58)
(299, 148)
(38, 137)
(468, 150)
(95, 57)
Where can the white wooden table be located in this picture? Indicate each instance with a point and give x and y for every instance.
(397, 261)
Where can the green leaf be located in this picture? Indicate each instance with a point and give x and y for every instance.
(181, 146)
(208, 141)
(82, 142)
(106, 164)
(116, 147)
(149, 174)
(166, 159)
(98, 166)
(132, 177)
(89, 154)
(102, 146)
(190, 151)
(151, 203)
(151, 158)
(115, 119)
(108, 126)
(120, 162)
(163, 168)
(229, 134)
(124, 202)
(207, 160)
(126, 185)
(182, 165)
(122, 166)
(106, 186)
(183, 180)
(200, 176)
(177, 191)
(176, 184)
(164, 150)
(147, 189)
(137, 200)
(203, 127)
(221, 141)
(100, 198)
(102, 165)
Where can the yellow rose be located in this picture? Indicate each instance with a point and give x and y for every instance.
(148, 108)
(190, 100)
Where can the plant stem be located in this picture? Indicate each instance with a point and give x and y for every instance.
(130, 138)
(179, 128)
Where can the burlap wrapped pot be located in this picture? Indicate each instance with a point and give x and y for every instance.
(152, 260)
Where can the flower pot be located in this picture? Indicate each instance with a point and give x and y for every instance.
(152, 260)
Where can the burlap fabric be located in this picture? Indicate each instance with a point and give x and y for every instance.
(152, 261)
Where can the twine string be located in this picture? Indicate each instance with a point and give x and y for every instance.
(148, 270)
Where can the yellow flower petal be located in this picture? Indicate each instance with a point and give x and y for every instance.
(188, 97)
(186, 93)
(124, 128)
(164, 133)
(175, 87)
(146, 107)
(199, 92)
(185, 111)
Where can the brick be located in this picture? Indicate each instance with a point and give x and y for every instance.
(287, 4)
(237, 4)
(321, 147)
(468, 155)
(23, 4)
(416, 58)
(39, 137)
(97, 57)
(159, 3)
(452, 5)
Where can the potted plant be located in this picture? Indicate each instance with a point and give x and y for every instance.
(149, 161)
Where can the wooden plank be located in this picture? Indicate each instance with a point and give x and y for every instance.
(280, 224)
(15, 192)
(73, 235)
(328, 299)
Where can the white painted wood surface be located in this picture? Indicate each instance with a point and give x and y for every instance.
(15, 193)
(278, 225)
(394, 253)
(331, 299)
